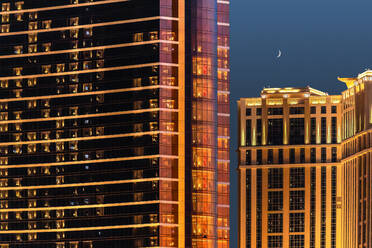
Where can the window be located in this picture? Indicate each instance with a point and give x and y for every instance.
(275, 132)
(46, 69)
(32, 38)
(248, 157)
(334, 130)
(258, 131)
(275, 111)
(297, 222)
(32, 48)
(18, 49)
(334, 109)
(324, 155)
(32, 15)
(302, 155)
(259, 157)
(292, 156)
(248, 128)
(46, 24)
(275, 223)
(275, 178)
(46, 47)
(32, 25)
(74, 21)
(137, 37)
(334, 154)
(248, 111)
(5, 28)
(274, 241)
(297, 200)
(153, 35)
(312, 155)
(296, 110)
(324, 130)
(270, 156)
(297, 177)
(296, 241)
(323, 110)
(280, 156)
(296, 131)
(5, 6)
(275, 200)
(259, 111)
(313, 110)
(313, 130)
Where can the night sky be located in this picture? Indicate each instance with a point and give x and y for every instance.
(319, 40)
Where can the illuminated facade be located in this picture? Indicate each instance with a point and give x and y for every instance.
(357, 161)
(289, 169)
(114, 123)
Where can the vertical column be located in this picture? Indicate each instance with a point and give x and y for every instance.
(264, 206)
(242, 207)
(307, 121)
(181, 124)
(285, 121)
(307, 205)
(318, 206)
(264, 121)
(329, 206)
(285, 207)
(253, 209)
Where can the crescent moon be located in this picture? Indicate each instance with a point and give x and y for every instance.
(279, 54)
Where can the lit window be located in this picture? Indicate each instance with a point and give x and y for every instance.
(60, 147)
(60, 67)
(73, 88)
(60, 158)
(74, 1)
(32, 48)
(153, 80)
(5, 28)
(45, 113)
(19, 5)
(4, 84)
(45, 147)
(18, 49)
(74, 66)
(100, 53)
(17, 137)
(100, 98)
(32, 104)
(99, 63)
(5, 18)
(45, 135)
(87, 65)
(5, 7)
(88, 32)
(154, 35)
(87, 87)
(3, 116)
(31, 82)
(31, 148)
(46, 69)
(32, 26)
(74, 56)
(32, 38)
(19, 16)
(137, 82)
(137, 37)
(47, 24)
(74, 21)
(18, 83)
(168, 35)
(74, 33)
(17, 93)
(32, 15)
(60, 124)
(46, 47)
(3, 106)
(100, 131)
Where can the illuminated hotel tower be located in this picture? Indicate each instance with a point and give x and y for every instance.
(289, 169)
(357, 161)
(114, 123)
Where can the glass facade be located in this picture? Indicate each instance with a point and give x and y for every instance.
(113, 114)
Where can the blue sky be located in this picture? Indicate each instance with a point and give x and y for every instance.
(319, 40)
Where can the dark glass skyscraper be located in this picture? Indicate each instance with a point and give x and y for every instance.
(114, 123)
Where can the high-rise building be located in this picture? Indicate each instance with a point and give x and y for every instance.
(289, 169)
(114, 123)
(357, 161)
